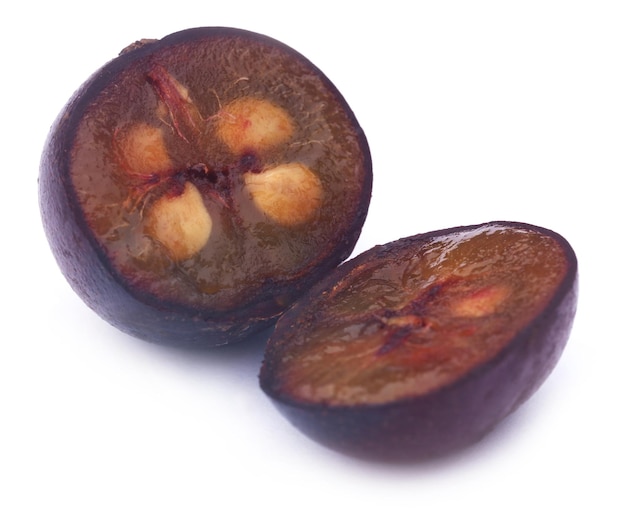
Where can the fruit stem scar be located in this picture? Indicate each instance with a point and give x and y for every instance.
(175, 96)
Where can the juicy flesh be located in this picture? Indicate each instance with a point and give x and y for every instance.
(418, 319)
(261, 153)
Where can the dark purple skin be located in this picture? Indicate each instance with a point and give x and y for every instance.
(88, 269)
(451, 417)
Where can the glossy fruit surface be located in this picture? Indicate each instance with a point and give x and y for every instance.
(196, 185)
(421, 346)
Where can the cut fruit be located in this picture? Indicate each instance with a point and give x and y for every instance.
(184, 185)
(420, 347)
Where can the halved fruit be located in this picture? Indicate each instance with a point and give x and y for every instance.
(420, 347)
(196, 185)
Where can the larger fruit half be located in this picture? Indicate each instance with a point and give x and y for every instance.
(196, 185)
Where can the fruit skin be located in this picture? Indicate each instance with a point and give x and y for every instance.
(451, 417)
(87, 268)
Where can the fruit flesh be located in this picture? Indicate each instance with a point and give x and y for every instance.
(416, 319)
(166, 127)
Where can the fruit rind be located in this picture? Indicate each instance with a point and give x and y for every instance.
(451, 417)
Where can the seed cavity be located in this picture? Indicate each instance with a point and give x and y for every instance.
(180, 223)
(289, 194)
(482, 302)
(143, 150)
(252, 124)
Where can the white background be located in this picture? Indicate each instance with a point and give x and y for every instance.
(474, 111)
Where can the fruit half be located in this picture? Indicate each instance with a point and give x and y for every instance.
(196, 185)
(420, 347)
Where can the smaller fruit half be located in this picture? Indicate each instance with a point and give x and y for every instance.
(422, 346)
